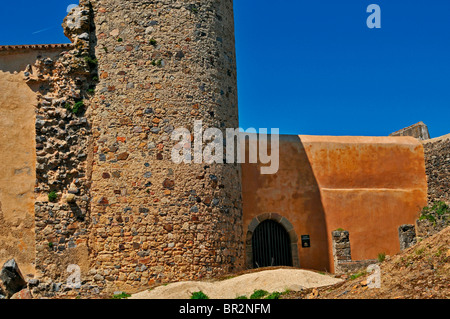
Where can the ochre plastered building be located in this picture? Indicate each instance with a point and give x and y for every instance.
(368, 186)
(125, 213)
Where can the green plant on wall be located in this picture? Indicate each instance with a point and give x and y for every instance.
(91, 61)
(439, 210)
(52, 196)
(77, 108)
(157, 62)
(193, 8)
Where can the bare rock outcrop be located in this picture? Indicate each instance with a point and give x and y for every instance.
(11, 279)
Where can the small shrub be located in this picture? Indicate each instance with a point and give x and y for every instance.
(193, 8)
(199, 295)
(340, 229)
(157, 62)
(357, 275)
(258, 294)
(381, 257)
(50, 245)
(242, 297)
(122, 295)
(437, 211)
(274, 295)
(91, 61)
(119, 40)
(91, 91)
(78, 107)
(153, 42)
(419, 251)
(52, 196)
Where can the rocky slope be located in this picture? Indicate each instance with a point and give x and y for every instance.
(420, 272)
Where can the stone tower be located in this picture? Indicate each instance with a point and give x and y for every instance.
(161, 66)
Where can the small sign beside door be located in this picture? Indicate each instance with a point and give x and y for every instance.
(306, 241)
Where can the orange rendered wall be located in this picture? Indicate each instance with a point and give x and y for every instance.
(366, 185)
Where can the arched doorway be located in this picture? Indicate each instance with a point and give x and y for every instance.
(271, 245)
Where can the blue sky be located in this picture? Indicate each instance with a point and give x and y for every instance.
(314, 67)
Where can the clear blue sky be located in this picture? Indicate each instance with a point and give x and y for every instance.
(313, 67)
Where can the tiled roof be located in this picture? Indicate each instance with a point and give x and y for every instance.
(36, 47)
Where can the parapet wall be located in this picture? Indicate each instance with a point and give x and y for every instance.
(17, 58)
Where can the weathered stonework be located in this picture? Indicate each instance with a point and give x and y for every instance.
(63, 133)
(341, 249)
(162, 65)
(407, 236)
(437, 162)
(418, 130)
(343, 263)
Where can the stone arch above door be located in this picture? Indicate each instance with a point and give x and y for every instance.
(282, 221)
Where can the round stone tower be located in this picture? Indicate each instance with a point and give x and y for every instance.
(161, 66)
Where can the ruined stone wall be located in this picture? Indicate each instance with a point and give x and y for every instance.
(162, 65)
(342, 254)
(341, 249)
(418, 130)
(64, 85)
(437, 162)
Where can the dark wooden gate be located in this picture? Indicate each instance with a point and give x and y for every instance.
(271, 245)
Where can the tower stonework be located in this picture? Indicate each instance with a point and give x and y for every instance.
(162, 65)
